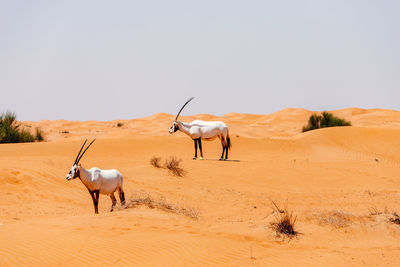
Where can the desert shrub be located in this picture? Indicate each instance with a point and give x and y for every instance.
(324, 120)
(172, 164)
(39, 136)
(284, 223)
(162, 204)
(120, 124)
(10, 131)
(336, 219)
(156, 162)
(395, 218)
(373, 211)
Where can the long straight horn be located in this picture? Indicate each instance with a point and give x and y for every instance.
(85, 150)
(190, 99)
(77, 156)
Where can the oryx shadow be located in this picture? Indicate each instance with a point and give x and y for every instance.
(228, 160)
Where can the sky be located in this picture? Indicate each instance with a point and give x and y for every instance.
(108, 60)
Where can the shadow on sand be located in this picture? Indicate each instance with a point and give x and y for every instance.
(230, 160)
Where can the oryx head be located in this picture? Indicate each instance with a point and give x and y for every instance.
(174, 126)
(74, 172)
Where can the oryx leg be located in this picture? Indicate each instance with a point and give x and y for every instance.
(121, 196)
(223, 151)
(95, 197)
(223, 148)
(226, 152)
(96, 204)
(195, 149)
(201, 150)
(114, 201)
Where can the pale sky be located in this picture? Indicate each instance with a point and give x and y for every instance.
(106, 60)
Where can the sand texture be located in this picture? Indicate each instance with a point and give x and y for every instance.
(342, 183)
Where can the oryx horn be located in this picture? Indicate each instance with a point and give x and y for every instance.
(190, 99)
(85, 150)
(77, 156)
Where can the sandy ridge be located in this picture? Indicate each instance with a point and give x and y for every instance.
(46, 220)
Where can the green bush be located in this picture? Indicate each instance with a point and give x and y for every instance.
(324, 120)
(39, 136)
(10, 131)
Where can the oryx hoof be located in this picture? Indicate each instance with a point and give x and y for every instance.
(201, 158)
(221, 159)
(194, 158)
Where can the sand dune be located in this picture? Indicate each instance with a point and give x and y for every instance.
(284, 123)
(335, 180)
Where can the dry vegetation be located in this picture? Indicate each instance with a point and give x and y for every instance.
(395, 218)
(375, 211)
(336, 219)
(391, 217)
(156, 162)
(284, 222)
(145, 199)
(172, 164)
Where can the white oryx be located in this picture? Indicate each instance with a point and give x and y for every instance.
(98, 181)
(203, 130)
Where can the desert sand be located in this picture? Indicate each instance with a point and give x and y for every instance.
(342, 183)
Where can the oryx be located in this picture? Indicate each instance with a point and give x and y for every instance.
(98, 181)
(203, 130)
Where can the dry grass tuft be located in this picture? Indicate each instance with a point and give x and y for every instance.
(156, 162)
(284, 223)
(172, 164)
(395, 218)
(373, 211)
(161, 204)
(336, 219)
(391, 217)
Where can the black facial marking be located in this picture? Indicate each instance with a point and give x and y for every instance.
(76, 173)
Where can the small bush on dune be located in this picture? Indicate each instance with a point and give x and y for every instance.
(336, 219)
(120, 124)
(284, 223)
(395, 218)
(10, 131)
(39, 136)
(172, 164)
(392, 217)
(156, 162)
(162, 204)
(25, 136)
(324, 120)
